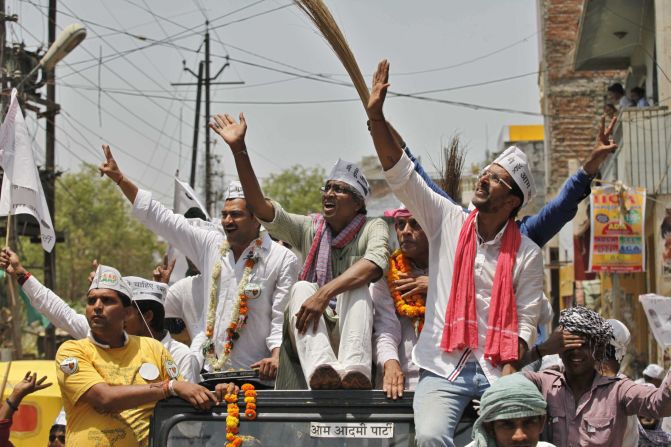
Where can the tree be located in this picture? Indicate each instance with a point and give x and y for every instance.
(97, 223)
(296, 189)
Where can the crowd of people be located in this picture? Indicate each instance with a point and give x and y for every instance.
(452, 315)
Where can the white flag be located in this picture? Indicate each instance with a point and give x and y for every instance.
(22, 191)
(658, 310)
(185, 198)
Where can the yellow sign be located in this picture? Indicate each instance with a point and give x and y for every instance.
(617, 242)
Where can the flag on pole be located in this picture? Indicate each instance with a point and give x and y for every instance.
(185, 198)
(22, 191)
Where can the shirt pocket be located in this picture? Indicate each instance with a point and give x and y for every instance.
(555, 428)
(597, 429)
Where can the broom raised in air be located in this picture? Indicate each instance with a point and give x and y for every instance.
(320, 15)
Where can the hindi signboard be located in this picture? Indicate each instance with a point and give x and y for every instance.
(617, 241)
(370, 430)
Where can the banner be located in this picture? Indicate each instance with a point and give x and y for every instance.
(658, 310)
(185, 198)
(617, 241)
(22, 191)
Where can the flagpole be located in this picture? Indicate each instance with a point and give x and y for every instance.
(16, 315)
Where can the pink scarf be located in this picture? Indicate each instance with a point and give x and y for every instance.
(461, 324)
(317, 266)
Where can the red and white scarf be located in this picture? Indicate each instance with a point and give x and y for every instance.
(317, 266)
(461, 322)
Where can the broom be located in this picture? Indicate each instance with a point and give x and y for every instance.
(320, 15)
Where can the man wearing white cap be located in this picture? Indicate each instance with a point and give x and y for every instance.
(344, 252)
(248, 277)
(145, 320)
(111, 381)
(653, 373)
(485, 281)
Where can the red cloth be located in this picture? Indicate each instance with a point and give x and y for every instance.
(5, 426)
(461, 323)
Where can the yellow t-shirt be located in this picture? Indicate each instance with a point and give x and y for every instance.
(81, 364)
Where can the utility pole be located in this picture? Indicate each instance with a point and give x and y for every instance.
(50, 180)
(207, 80)
(194, 148)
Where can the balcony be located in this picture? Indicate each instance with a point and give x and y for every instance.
(644, 154)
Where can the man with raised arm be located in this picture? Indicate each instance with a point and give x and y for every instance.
(145, 319)
(485, 279)
(248, 275)
(344, 252)
(111, 381)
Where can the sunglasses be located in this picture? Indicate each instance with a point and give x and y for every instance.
(494, 177)
(61, 438)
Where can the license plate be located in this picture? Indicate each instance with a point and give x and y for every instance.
(384, 430)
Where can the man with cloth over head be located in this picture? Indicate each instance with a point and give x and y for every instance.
(344, 252)
(585, 407)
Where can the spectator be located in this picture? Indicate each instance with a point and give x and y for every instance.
(28, 385)
(637, 95)
(617, 96)
(512, 413)
(57, 431)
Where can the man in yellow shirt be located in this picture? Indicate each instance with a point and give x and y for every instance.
(111, 381)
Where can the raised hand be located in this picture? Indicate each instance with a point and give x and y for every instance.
(28, 385)
(163, 271)
(92, 275)
(604, 147)
(10, 262)
(110, 167)
(378, 91)
(232, 132)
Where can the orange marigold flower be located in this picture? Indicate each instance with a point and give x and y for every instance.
(247, 386)
(250, 406)
(250, 414)
(250, 393)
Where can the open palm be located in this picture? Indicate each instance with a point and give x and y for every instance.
(229, 129)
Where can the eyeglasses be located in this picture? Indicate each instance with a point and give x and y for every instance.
(494, 177)
(61, 438)
(336, 188)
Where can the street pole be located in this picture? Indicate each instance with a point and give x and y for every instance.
(4, 82)
(50, 180)
(194, 150)
(208, 164)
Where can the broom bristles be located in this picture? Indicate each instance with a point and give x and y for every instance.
(320, 15)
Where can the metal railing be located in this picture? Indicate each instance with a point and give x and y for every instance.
(644, 154)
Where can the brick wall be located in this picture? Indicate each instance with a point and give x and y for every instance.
(573, 100)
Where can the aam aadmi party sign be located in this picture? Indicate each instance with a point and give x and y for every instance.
(617, 242)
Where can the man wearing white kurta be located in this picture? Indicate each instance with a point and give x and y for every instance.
(272, 276)
(64, 317)
(453, 375)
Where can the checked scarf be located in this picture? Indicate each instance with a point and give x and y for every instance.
(461, 321)
(317, 266)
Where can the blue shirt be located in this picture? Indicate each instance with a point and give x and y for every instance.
(540, 227)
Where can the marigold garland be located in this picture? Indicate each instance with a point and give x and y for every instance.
(238, 313)
(413, 306)
(233, 414)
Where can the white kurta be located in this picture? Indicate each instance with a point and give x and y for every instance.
(442, 220)
(275, 272)
(64, 317)
(394, 336)
(186, 300)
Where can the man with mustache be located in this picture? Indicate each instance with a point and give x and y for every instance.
(585, 407)
(344, 253)
(248, 277)
(485, 279)
(111, 381)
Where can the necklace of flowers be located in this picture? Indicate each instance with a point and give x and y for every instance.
(238, 313)
(233, 414)
(413, 306)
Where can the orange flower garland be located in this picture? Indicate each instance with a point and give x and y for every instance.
(233, 411)
(413, 306)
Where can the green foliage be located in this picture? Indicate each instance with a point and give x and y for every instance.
(296, 189)
(97, 222)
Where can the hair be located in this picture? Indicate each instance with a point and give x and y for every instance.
(517, 192)
(125, 299)
(639, 91)
(157, 323)
(56, 428)
(610, 353)
(360, 200)
(616, 88)
(195, 212)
